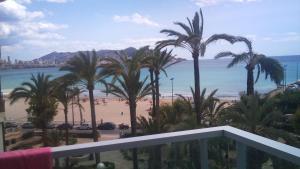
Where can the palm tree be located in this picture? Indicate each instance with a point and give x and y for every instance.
(38, 92)
(202, 107)
(147, 54)
(253, 113)
(77, 92)
(64, 94)
(214, 110)
(127, 86)
(181, 116)
(258, 115)
(271, 67)
(193, 41)
(83, 69)
(158, 62)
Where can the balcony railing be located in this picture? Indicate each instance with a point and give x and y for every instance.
(243, 140)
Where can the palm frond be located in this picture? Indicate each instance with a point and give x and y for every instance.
(226, 37)
(201, 26)
(272, 68)
(184, 27)
(196, 26)
(224, 54)
(238, 59)
(258, 73)
(84, 68)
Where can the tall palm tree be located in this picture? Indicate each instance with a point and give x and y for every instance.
(192, 40)
(127, 86)
(83, 69)
(158, 62)
(38, 92)
(64, 94)
(271, 67)
(147, 54)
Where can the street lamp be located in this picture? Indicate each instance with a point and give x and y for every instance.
(172, 79)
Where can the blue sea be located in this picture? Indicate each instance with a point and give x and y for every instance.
(213, 75)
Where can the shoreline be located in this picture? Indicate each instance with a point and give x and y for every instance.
(164, 95)
(108, 109)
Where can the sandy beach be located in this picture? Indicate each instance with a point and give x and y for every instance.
(107, 109)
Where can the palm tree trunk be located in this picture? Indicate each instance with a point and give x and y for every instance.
(93, 116)
(157, 148)
(67, 128)
(197, 85)
(153, 93)
(67, 132)
(132, 107)
(157, 117)
(80, 111)
(250, 81)
(73, 111)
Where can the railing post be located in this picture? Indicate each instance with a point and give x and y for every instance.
(241, 156)
(204, 154)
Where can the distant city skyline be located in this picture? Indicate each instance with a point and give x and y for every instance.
(32, 28)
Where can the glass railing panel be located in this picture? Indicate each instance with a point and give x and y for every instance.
(176, 155)
(221, 153)
(236, 149)
(258, 159)
(109, 160)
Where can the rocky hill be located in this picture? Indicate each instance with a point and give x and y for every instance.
(60, 57)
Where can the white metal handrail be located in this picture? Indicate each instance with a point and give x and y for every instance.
(243, 139)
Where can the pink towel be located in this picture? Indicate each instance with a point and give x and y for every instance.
(38, 158)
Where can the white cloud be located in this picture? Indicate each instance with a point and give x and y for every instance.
(14, 11)
(137, 19)
(38, 46)
(19, 24)
(24, 1)
(140, 42)
(51, 1)
(76, 45)
(251, 37)
(43, 26)
(58, 1)
(203, 3)
(283, 37)
(267, 38)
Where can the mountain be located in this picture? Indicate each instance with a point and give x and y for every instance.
(60, 57)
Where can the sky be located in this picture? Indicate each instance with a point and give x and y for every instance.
(32, 28)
